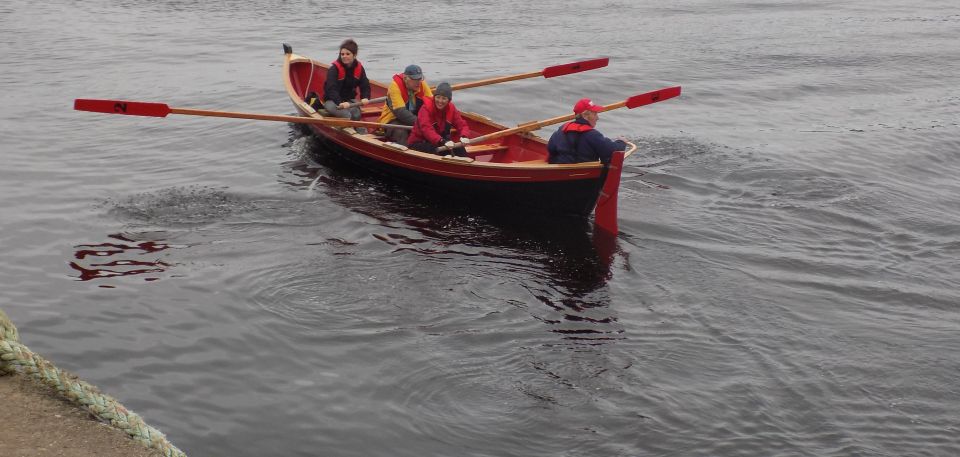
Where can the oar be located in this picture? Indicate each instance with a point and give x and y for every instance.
(647, 98)
(549, 72)
(162, 110)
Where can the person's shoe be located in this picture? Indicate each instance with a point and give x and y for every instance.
(362, 130)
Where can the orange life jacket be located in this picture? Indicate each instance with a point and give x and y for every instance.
(342, 71)
(575, 127)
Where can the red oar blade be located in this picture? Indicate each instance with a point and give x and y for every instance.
(652, 97)
(122, 107)
(576, 67)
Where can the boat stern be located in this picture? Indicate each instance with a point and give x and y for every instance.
(605, 213)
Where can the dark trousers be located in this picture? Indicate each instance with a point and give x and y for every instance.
(398, 136)
(349, 113)
(424, 146)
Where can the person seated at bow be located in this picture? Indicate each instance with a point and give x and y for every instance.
(346, 80)
(405, 96)
(435, 123)
(577, 141)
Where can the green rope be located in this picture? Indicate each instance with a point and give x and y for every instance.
(13, 355)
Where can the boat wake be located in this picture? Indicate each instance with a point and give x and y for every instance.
(178, 206)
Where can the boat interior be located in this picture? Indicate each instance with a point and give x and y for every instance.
(308, 76)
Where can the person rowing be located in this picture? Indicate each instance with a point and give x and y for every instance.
(436, 123)
(405, 96)
(578, 141)
(346, 82)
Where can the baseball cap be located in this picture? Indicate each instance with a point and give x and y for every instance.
(413, 71)
(585, 104)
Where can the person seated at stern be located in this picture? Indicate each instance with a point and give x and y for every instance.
(405, 96)
(346, 82)
(435, 123)
(577, 141)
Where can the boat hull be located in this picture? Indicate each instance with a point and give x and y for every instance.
(576, 197)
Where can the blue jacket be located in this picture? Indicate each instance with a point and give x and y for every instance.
(589, 145)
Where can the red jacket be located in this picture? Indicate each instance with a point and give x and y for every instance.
(432, 124)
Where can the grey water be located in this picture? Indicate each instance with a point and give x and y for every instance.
(785, 282)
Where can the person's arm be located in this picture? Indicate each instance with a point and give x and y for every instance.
(405, 116)
(395, 102)
(426, 128)
(331, 87)
(463, 130)
(364, 85)
(404, 113)
(604, 146)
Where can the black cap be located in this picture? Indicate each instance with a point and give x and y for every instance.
(445, 90)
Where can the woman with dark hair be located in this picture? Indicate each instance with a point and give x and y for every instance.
(346, 83)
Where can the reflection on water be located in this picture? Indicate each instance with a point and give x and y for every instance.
(126, 256)
(129, 254)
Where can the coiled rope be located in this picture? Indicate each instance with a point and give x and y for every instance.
(103, 407)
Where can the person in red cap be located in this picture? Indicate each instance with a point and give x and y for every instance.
(577, 141)
(436, 122)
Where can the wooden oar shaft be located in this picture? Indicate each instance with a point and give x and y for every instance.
(613, 106)
(134, 108)
(501, 79)
(536, 125)
(237, 115)
(469, 85)
(549, 72)
(632, 102)
(372, 100)
(525, 127)
(332, 121)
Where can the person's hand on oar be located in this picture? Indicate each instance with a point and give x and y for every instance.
(439, 124)
(346, 105)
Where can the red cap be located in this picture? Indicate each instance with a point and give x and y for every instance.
(585, 104)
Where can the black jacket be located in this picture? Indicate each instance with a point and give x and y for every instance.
(339, 91)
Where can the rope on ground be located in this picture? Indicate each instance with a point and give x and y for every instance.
(103, 407)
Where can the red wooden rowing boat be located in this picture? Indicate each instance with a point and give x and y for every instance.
(512, 169)
(504, 166)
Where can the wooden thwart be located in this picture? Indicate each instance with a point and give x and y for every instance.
(481, 149)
